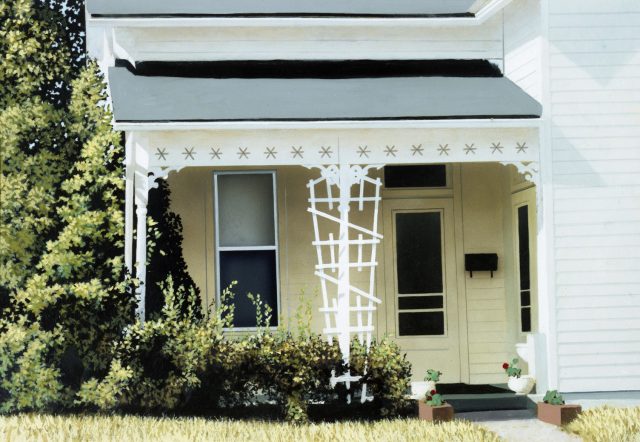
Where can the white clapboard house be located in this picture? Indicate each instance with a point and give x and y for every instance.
(462, 176)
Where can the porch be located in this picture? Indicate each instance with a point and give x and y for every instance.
(351, 190)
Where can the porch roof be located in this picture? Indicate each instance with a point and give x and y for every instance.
(272, 8)
(162, 98)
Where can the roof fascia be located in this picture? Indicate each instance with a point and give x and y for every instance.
(330, 125)
(481, 16)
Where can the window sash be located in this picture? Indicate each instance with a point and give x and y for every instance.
(219, 249)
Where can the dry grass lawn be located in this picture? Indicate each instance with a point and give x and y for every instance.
(34, 427)
(607, 424)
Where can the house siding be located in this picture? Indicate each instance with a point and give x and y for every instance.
(522, 46)
(313, 42)
(594, 90)
(491, 303)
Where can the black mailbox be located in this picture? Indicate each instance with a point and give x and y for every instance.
(480, 262)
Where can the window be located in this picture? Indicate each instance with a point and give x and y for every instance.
(429, 175)
(419, 273)
(524, 270)
(246, 241)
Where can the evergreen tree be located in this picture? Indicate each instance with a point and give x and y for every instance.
(63, 287)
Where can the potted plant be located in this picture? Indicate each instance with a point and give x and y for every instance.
(434, 408)
(420, 389)
(517, 383)
(554, 411)
(431, 378)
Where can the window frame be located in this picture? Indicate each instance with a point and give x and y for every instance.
(218, 248)
(518, 278)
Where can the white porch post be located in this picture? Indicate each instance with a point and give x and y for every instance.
(142, 185)
(129, 202)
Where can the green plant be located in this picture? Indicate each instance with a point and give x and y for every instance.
(158, 364)
(553, 397)
(386, 372)
(434, 399)
(433, 375)
(511, 369)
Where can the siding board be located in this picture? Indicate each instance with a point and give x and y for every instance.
(595, 95)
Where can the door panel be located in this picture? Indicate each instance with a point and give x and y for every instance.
(420, 284)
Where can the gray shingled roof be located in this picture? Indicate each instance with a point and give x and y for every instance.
(277, 7)
(158, 98)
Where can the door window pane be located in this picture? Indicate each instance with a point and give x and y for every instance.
(421, 323)
(245, 210)
(419, 252)
(419, 302)
(255, 272)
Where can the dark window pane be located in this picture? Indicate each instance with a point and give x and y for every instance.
(525, 316)
(523, 246)
(255, 272)
(418, 252)
(423, 323)
(525, 299)
(419, 302)
(431, 175)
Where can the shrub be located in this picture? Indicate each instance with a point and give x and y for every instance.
(296, 369)
(387, 374)
(158, 363)
(27, 382)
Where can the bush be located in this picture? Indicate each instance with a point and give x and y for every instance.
(296, 369)
(387, 374)
(27, 382)
(157, 364)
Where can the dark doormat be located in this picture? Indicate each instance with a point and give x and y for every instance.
(470, 389)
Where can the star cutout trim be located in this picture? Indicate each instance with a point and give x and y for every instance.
(391, 150)
(161, 153)
(325, 151)
(416, 149)
(271, 152)
(215, 153)
(496, 147)
(189, 153)
(297, 152)
(444, 150)
(521, 147)
(468, 148)
(363, 151)
(243, 152)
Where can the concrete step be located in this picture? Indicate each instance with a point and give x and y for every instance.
(488, 402)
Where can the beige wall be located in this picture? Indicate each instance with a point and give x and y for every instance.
(483, 217)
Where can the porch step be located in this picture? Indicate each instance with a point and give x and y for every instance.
(488, 402)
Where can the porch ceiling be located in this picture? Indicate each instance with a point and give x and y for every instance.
(249, 8)
(138, 98)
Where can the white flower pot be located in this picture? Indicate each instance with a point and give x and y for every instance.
(521, 385)
(419, 390)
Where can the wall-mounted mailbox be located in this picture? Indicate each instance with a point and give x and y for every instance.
(480, 262)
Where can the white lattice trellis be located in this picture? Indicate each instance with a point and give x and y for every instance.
(336, 257)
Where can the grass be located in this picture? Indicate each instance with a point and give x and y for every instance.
(607, 424)
(38, 427)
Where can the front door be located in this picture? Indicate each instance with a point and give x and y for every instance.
(420, 284)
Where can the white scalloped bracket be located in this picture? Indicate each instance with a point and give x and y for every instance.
(530, 170)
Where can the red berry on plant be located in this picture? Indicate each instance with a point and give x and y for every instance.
(428, 398)
(505, 365)
(433, 392)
